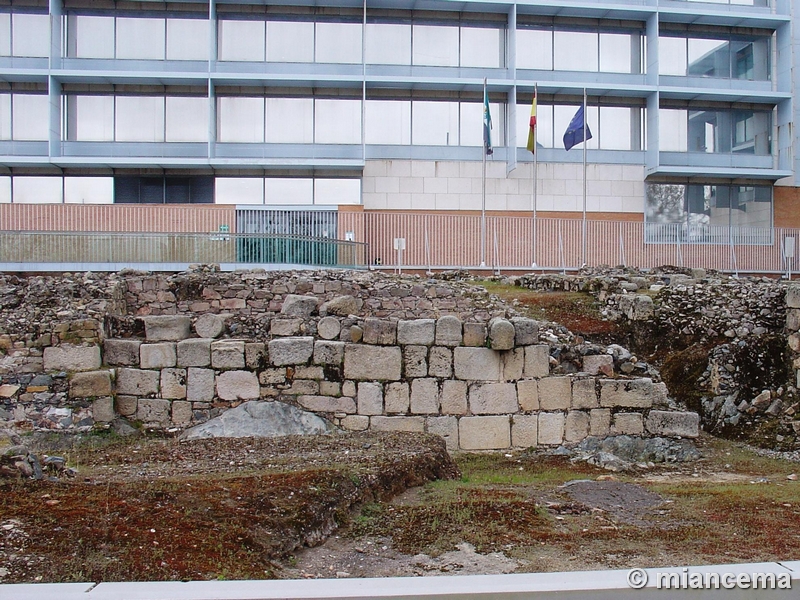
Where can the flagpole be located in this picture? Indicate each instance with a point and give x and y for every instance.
(583, 225)
(483, 191)
(535, 172)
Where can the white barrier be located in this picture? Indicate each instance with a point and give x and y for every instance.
(577, 585)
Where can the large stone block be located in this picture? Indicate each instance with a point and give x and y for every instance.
(440, 362)
(513, 363)
(632, 393)
(103, 409)
(173, 383)
(181, 412)
(157, 356)
(576, 427)
(255, 355)
(126, 405)
(71, 358)
(329, 328)
(369, 398)
(537, 361)
(285, 327)
(551, 428)
(90, 384)
(238, 385)
(298, 306)
(454, 397)
(415, 361)
(419, 332)
(228, 354)
(397, 424)
(291, 351)
(209, 325)
(528, 394)
(793, 296)
(135, 382)
(448, 331)
(526, 331)
(475, 334)
(380, 331)
(328, 404)
(555, 393)
(598, 363)
(793, 319)
(200, 385)
(446, 427)
(424, 396)
(342, 306)
(396, 399)
(153, 413)
(584, 394)
(501, 334)
(121, 353)
(328, 353)
(194, 352)
(600, 422)
(673, 423)
(524, 431)
(371, 363)
(355, 423)
(627, 424)
(477, 364)
(167, 328)
(493, 398)
(484, 433)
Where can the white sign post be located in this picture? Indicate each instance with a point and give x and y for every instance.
(788, 254)
(400, 245)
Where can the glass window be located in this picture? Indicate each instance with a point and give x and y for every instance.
(575, 51)
(481, 47)
(31, 35)
(92, 37)
(337, 191)
(709, 131)
(435, 45)
(37, 190)
(139, 119)
(31, 117)
(615, 127)
(615, 52)
(88, 190)
(672, 129)
(241, 40)
(751, 59)
(5, 190)
(471, 118)
(5, 116)
(338, 43)
(187, 39)
(388, 44)
(337, 121)
(240, 119)
(285, 191)
(186, 119)
(290, 121)
(671, 56)
(94, 119)
(290, 41)
(239, 190)
(5, 40)
(434, 123)
(388, 122)
(562, 115)
(708, 58)
(544, 125)
(141, 39)
(535, 49)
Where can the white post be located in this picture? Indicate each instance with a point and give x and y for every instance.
(561, 250)
(483, 190)
(427, 248)
(622, 250)
(535, 171)
(583, 226)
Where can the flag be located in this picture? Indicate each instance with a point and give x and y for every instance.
(487, 123)
(574, 133)
(532, 131)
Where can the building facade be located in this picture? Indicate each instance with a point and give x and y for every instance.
(377, 105)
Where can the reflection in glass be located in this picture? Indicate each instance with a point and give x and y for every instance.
(672, 130)
(672, 56)
(708, 58)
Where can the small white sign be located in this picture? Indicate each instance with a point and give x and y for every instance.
(399, 243)
(788, 247)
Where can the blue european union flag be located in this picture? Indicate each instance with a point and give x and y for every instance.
(574, 133)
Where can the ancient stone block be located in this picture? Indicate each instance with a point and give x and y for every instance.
(454, 397)
(415, 361)
(673, 423)
(349, 388)
(329, 328)
(448, 331)
(446, 427)
(173, 383)
(90, 384)
(493, 398)
(638, 307)
(167, 328)
(424, 396)
(584, 393)
(228, 354)
(157, 356)
(598, 363)
(255, 355)
(380, 331)
(355, 423)
(440, 362)
(484, 433)
(298, 306)
(600, 422)
(555, 393)
(330, 388)
(369, 398)
(342, 306)
(513, 363)
(285, 327)
(237, 385)
(474, 334)
(793, 295)
(122, 353)
(576, 427)
(419, 332)
(371, 363)
(209, 325)
(793, 319)
(526, 331)
(126, 405)
(309, 372)
(660, 395)
(328, 404)
(380, 423)
(135, 382)
(328, 353)
(272, 376)
(528, 394)
(153, 413)
(524, 431)
(478, 364)
(551, 428)
(537, 361)
(501, 334)
(103, 409)
(291, 350)
(67, 357)
(627, 424)
(356, 333)
(396, 399)
(194, 352)
(633, 393)
(181, 412)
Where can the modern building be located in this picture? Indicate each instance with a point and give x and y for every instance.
(377, 106)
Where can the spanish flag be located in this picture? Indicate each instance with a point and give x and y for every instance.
(532, 131)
